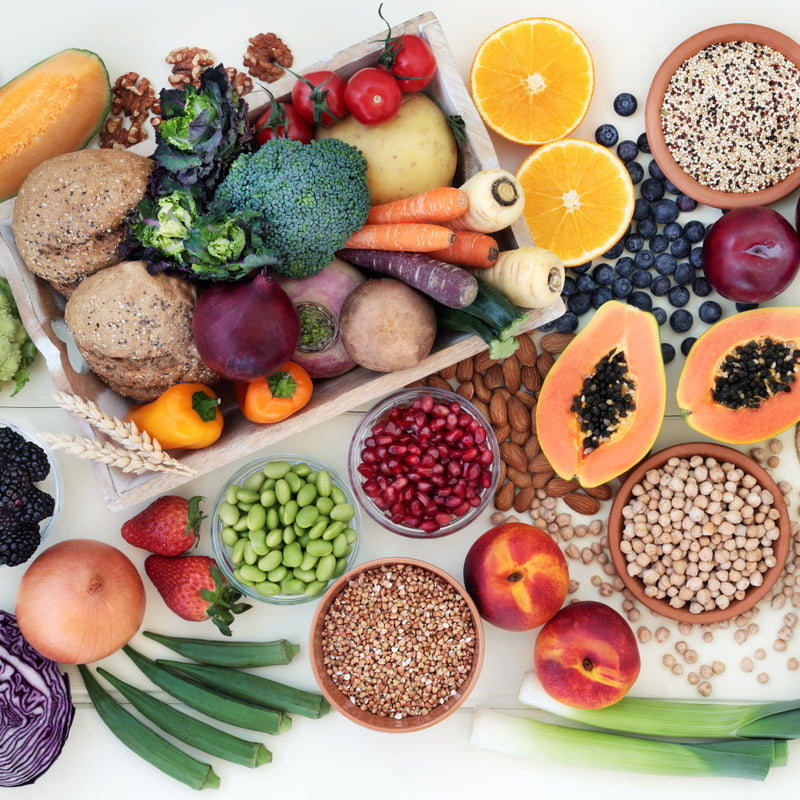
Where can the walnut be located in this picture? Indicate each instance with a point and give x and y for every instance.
(132, 96)
(241, 82)
(187, 64)
(115, 134)
(266, 56)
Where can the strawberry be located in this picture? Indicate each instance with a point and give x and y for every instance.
(168, 526)
(195, 589)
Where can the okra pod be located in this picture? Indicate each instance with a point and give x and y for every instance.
(145, 742)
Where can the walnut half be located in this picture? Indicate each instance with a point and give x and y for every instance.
(266, 57)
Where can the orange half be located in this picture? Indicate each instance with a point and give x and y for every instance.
(532, 80)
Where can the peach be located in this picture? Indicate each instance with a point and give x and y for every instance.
(586, 656)
(516, 575)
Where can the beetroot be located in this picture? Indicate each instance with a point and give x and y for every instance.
(246, 330)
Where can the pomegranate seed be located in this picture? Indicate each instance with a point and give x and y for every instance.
(429, 526)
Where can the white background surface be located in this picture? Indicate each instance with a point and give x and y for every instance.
(333, 758)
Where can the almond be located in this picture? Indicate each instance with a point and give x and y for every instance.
(531, 378)
(482, 406)
(540, 463)
(524, 498)
(512, 376)
(556, 342)
(504, 497)
(601, 492)
(466, 390)
(498, 413)
(582, 503)
(531, 448)
(514, 456)
(540, 479)
(544, 362)
(519, 479)
(558, 487)
(482, 361)
(464, 369)
(438, 382)
(526, 398)
(519, 437)
(493, 376)
(533, 419)
(502, 431)
(481, 391)
(526, 352)
(519, 416)
(448, 372)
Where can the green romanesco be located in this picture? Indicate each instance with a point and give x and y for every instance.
(312, 196)
(17, 351)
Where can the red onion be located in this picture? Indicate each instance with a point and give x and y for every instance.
(245, 331)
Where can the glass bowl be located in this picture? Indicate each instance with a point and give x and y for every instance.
(266, 530)
(53, 484)
(410, 462)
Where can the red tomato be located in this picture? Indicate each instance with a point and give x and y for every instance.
(292, 127)
(372, 96)
(410, 60)
(324, 104)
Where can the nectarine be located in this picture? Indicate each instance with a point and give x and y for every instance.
(516, 575)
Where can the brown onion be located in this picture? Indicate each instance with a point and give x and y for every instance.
(79, 601)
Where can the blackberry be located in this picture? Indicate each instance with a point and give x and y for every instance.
(694, 231)
(660, 285)
(652, 189)
(710, 311)
(641, 278)
(19, 544)
(625, 266)
(642, 143)
(17, 451)
(666, 264)
(607, 135)
(641, 300)
(678, 296)
(684, 273)
(667, 352)
(625, 104)
(681, 320)
(635, 170)
(655, 171)
(579, 303)
(685, 203)
(567, 322)
(22, 503)
(644, 259)
(627, 151)
(686, 344)
(681, 248)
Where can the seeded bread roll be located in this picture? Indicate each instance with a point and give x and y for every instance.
(70, 213)
(134, 330)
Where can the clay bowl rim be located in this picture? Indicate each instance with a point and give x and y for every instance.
(385, 724)
(738, 31)
(721, 453)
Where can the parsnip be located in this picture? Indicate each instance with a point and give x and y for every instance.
(531, 277)
(496, 200)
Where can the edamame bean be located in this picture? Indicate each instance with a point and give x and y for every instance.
(309, 561)
(237, 552)
(291, 585)
(278, 574)
(229, 536)
(230, 496)
(341, 566)
(273, 518)
(325, 567)
(307, 495)
(337, 495)
(318, 528)
(294, 481)
(301, 469)
(307, 516)
(256, 517)
(228, 513)
(305, 575)
(324, 505)
(289, 535)
(267, 498)
(251, 573)
(289, 511)
(246, 495)
(253, 482)
(319, 547)
(282, 491)
(342, 512)
(324, 483)
(340, 545)
(276, 469)
(351, 535)
(240, 524)
(293, 554)
(275, 537)
(248, 554)
(267, 588)
(270, 560)
(333, 530)
(315, 587)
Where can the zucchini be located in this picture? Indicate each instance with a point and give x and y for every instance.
(494, 308)
(145, 742)
(229, 654)
(214, 704)
(254, 688)
(190, 730)
(462, 320)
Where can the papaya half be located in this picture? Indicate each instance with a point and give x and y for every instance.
(55, 107)
(602, 403)
(739, 382)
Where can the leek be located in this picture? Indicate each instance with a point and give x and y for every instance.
(522, 736)
(674, 719)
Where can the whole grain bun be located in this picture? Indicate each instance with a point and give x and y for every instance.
(134, 330)
(70, 213)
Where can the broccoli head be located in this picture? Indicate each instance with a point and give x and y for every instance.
(312, 197)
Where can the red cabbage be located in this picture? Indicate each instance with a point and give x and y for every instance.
(36, 708)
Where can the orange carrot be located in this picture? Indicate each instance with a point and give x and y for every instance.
(417, 237)
(435, 205)
(470, 249)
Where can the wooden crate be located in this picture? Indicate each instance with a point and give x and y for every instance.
(42, 309)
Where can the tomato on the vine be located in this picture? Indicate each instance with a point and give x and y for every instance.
(282, 121)
(319, 97)
(372, 96)
(410, 60)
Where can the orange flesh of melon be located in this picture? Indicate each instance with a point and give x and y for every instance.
(55, 107)
(744, 425)
(617, 326)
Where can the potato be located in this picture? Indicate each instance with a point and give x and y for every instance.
(412, 152)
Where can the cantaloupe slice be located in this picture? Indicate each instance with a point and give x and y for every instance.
(54, 107)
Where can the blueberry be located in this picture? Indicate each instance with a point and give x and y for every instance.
(696, 257)
(710, 311)
(622, 287)
(579, 303)
(686, 344)
(607, 135)
(615, 251)
(694, 231)
(660, 285)
(641, 300)
(644, 259)
(678, 296)
(627, 151)
(659, 314)
(664, 211)
(568, 286)
(746, 306)
(681, 320)
(625, 104)
(577, 270)
(681, 247)
(641, 278)
(672, 230)
(644, 145)
(659, 243)
(667, 352)
(547, 327)
(647, 228)
(652, 189)
(635, 170)
(602, 294)
(585, 283)
(634, 242)
(641, 209)
(684, 273)
(666, 264)
(685, 203)
(567, 322)
(625, 266)
(655, 171)
(701, 287)
(603, 274)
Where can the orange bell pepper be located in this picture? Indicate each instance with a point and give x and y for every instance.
(277, 396)
(186, 416)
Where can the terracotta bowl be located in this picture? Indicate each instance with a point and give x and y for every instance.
(375, 721)
(723, 454)
(655, 99)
